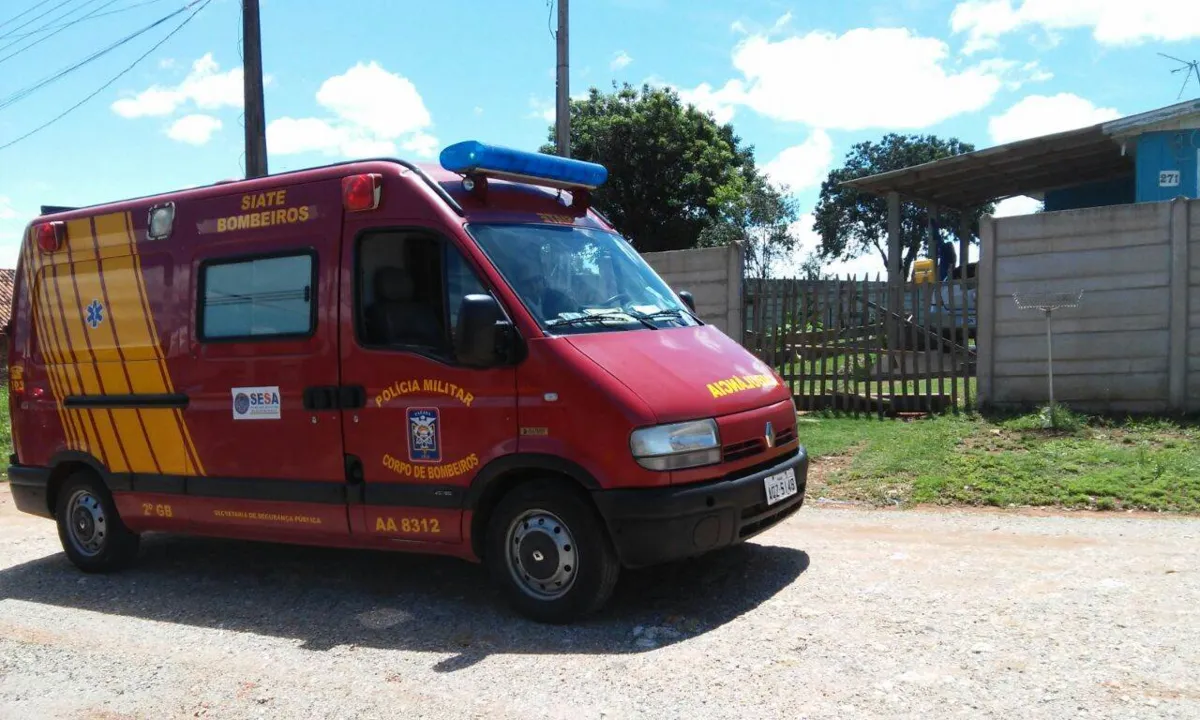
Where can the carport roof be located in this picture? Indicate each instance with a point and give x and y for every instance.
(1025, 167)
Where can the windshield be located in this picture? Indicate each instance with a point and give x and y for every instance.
(575, 279)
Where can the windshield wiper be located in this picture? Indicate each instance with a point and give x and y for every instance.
(598, 317)
(666, 314)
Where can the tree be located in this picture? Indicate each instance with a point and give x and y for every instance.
(851, 223)
(669, 165)
(759, 218)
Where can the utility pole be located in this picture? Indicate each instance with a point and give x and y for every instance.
(252, 78)
(562, 119)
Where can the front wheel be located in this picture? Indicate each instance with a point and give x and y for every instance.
(547, 548)
(91, 531)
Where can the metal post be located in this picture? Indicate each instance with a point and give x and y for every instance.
(252, 80)
(1048, 303)
(1050, 361)
(562, 116)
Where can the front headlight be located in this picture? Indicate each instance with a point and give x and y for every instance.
(677, 446)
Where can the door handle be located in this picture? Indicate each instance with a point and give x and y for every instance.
(321, 397)
(352, 396)
(330, 397)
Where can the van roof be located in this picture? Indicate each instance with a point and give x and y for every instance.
(448, 185)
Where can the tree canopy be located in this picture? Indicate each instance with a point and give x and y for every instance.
(758, 216)
(851, 223)
(673, 171)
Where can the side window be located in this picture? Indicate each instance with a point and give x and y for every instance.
(410, 285)
(257, 298)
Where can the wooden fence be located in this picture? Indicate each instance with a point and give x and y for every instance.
(858, 346)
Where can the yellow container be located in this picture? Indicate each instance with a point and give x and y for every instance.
(924, 271)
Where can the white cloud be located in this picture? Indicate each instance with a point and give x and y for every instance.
(371, 111)
(10, 248)
(783, 21)
(1041, 115)
(832, 81)
(166, 63)
(802, 166)
(381, 102)
(738, 27)
(542, 109)
(1113, 22)
(421, 144)
(194, 129)
(721, 103)
(1019, 205)
(287, 136)
(205, 86)
(478, 110)
(6, 209)
(808, 242)
(620, 60)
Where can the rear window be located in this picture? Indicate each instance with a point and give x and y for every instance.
(257, 298)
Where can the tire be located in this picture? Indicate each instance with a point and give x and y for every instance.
(92, 533)
(549, 527)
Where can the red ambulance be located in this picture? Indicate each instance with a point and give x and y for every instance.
(464, 359)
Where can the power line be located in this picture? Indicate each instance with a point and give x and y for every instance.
(26, 92)
(115, 78)
(44, 38)
(96, 14)
(29, 22)
(23, 13)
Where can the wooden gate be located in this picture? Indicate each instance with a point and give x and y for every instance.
(860, 346)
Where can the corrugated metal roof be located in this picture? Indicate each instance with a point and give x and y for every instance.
(1024, 167)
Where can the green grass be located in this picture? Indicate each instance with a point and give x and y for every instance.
(971, 460)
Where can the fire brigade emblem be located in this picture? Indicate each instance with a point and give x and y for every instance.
(424, 435)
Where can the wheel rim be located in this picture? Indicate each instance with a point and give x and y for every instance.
(542, 557)
(87, 526)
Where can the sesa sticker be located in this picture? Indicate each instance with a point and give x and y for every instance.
(424, 435)
(256, 403)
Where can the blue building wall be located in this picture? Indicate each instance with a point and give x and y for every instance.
(1174, 151)
(1119, 191)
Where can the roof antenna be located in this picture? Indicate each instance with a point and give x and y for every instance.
(1187, 68)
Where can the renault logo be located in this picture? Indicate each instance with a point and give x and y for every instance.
(770, 434)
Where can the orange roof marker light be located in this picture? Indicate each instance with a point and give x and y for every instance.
(362, 192)
(51, 236)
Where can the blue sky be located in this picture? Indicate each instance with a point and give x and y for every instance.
(801, 81)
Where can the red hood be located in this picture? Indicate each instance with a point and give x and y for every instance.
(684, 373)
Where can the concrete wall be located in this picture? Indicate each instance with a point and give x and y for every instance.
(713, 276)
(1193, 359)
(1132, 345)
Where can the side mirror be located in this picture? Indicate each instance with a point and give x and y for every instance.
(481, 328)
(688, 300)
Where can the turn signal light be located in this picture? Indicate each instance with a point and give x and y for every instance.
(50, 236)
(362, 192)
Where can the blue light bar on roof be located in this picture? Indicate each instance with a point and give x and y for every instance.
(475, 158)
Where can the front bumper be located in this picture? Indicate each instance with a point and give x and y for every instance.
(659, 525)
(29, 487)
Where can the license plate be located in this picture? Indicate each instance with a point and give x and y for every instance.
(780, 486)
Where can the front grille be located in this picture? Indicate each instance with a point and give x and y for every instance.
(760, 517)
(743, 450)
(785, 436)
(759, 467)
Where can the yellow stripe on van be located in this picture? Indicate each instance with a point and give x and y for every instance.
(172, 419)
(33, 292)
(120, 354)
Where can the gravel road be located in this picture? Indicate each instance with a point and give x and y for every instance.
(839, 613)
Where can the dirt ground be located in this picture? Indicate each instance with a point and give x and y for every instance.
(839, 613)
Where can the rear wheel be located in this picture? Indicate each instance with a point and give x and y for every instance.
(548, 550)
(91, 531)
